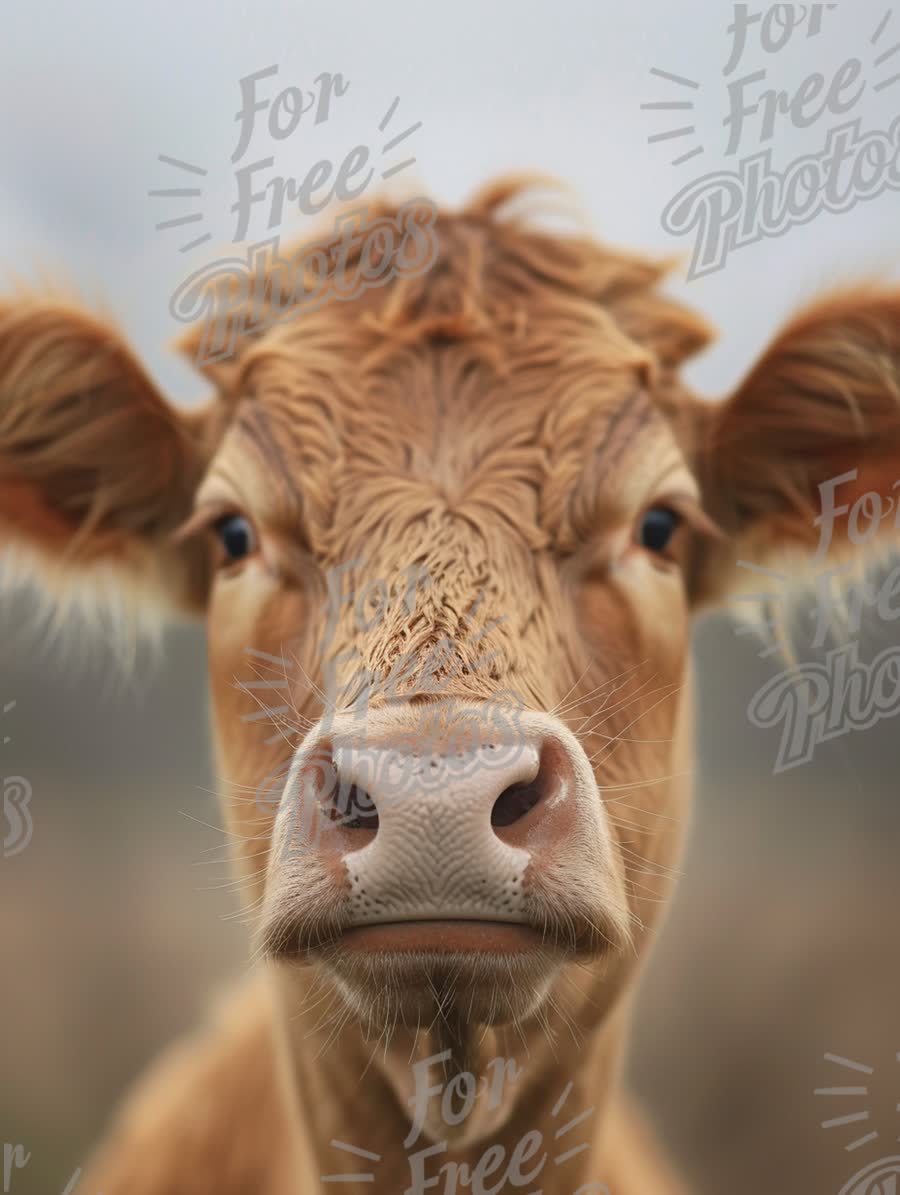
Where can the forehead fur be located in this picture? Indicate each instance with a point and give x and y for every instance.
(471, 384)
(495, 272)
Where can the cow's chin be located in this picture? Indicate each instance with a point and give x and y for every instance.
(450, 987)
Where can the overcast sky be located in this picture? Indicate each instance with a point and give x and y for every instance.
(99, 89)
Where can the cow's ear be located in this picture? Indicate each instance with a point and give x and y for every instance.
(802, 461)
(96, 469)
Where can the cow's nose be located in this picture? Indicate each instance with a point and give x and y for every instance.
(447, 827)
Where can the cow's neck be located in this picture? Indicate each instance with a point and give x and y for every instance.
(390, 1102)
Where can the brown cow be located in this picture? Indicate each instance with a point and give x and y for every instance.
(456, 527)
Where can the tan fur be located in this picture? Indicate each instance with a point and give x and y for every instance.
(501, 421)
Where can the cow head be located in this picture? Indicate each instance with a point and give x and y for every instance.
(447, 535)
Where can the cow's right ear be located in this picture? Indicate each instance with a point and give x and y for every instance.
(96, 469)
(804, 459)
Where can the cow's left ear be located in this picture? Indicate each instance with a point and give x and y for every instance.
(802, 461)
(97, 469)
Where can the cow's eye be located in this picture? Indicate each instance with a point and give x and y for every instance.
(657, 527)
(237, 537)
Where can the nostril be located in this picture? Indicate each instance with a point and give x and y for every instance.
(353, 808)
(517, 800)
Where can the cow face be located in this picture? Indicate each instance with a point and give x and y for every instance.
(447, 535)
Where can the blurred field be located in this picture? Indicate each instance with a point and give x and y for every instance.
(118, 922)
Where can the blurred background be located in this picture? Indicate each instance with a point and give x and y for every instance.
(117, 922)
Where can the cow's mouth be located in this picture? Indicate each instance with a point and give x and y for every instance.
(443, 937)
(419, 972)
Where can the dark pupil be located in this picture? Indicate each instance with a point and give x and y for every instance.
(658, 528)
(235, 535)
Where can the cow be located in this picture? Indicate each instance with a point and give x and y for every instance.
(448, 533)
